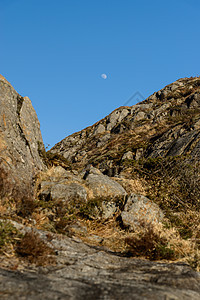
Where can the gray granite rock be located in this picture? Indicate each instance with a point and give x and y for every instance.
(103, 139)
(127, 155)
(109, 209)
(65, 192)
(102, 186)
(139, 209)
(21, 145)
(86, 272)
(100, 128)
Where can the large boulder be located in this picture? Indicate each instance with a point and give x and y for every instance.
(62, 191)
(102, 186)
(139, 210)
(21, 144)
(57, 184)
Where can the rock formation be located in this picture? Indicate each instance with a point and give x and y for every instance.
(166, 124)
(92, 273)
(75, 220)
(20, 144)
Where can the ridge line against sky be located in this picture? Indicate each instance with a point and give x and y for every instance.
(57, 52)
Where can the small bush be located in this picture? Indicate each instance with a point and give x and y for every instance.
(150, 244)
(56, 159)
(35, 250)
(8, 234)
(26, 207)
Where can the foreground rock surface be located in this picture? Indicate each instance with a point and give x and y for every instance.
(84, 272)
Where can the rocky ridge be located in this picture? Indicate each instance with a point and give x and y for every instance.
(126, 187)
(165, 124)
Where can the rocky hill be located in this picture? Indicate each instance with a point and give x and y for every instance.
(74, 219)
(166, 124)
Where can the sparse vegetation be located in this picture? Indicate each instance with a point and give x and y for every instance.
(35, 250)
(151, 244)
(9, 235)
(173, 182)
(55, 159)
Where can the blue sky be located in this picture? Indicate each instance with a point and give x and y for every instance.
(54, 52)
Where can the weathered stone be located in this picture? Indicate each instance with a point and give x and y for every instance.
(21, 145)
(91, 170)
(163, 95)
(62, 191)
(58, 173)
(139, 209)
(112, 120)
(102, 141)
(102, 186)
(127, 155)
(193, 100)
(67, 192)
(140, 116)
(86, 272)
(172, 143)
(116, 116)
(118, 128)
(123, 114)
(99, 129)
(109, 209)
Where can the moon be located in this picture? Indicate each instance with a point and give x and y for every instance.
(104, 76)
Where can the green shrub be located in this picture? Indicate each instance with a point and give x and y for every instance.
(8, 234)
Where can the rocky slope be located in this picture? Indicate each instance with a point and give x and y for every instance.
(151, 149)
(73, 220)
(165, 124)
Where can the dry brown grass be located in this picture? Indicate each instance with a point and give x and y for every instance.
(109, 231)
(32, 248)
(137, 186)
(156, 242)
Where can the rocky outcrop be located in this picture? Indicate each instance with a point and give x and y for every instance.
(165, 124)
(81, 271)
(102, 186)
(20, 144)
(61, 184)
(109, 186)
(150, 149)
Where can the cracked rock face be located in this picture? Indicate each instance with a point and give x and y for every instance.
(85, 272)
(20, 143)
